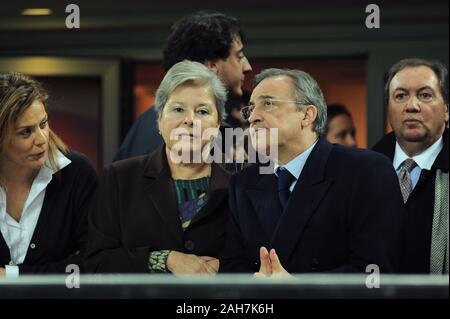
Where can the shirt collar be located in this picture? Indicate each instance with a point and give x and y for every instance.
(424, 160)
(295, 166)
(42, 179)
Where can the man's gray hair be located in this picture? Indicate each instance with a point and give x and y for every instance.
(191, 73)
(307, 91)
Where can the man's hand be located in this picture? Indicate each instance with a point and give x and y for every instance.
(270, 265)
(185, 264)
(2, 272)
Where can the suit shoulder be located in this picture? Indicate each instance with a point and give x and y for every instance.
(248, 175)
(358, 157)
(129, 164)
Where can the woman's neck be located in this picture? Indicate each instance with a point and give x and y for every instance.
(16, 175)
(187, 170)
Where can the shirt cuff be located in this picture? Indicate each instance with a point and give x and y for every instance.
(11, 271)
(157, 261)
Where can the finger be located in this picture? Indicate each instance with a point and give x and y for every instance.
(265, 267)
(214, 263)
(207, 258)
(259, 275)
(275, 261)
(209, 269)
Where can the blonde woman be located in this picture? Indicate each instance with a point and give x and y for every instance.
(45, 188)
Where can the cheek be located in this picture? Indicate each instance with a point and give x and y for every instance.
(19, 149)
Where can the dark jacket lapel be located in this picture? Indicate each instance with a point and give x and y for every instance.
(218, 190)
(311, 187)
(159, 189)
(264, 199)
(386, 146)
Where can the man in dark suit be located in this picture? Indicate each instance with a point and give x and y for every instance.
(416, 94)
(214, 39)
(323, 207)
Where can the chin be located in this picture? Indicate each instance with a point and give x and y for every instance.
(36, 165)
(238, 91)
(414, 135)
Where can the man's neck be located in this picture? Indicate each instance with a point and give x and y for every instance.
(415, 148)
(287, 153)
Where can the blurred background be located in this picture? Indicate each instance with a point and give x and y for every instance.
(104, 74)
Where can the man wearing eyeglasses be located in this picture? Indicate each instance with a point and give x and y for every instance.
(324, 207)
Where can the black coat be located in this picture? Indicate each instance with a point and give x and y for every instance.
(60, 234)
(419, 209)
(343, 214)
(137, 212)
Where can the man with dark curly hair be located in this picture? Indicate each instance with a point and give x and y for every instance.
(213, 39)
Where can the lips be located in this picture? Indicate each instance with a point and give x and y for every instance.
(190, 136)
(412, 121)
(38, 155)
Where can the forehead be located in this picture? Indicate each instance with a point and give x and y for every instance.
(32, 115)
(192, 93)
(280, 87)
(411, 78)
(236, 44)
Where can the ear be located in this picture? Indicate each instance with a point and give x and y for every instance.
(310, 115)
(446, 114)
(213, 65)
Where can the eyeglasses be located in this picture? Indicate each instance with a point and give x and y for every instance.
(266, 104)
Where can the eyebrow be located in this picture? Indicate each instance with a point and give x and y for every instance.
(266, 97)
(182, 104)
(28, 126)
(262, 97)
(422, 88)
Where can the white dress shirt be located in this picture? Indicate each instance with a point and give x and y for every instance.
(18, 235)
(423, 160)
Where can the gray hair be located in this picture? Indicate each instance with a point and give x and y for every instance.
(193, 73)
(307, 91)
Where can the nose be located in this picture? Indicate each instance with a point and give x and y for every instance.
(246, 67)
(255, 116)
(189, 118)
(412, 105)
(41, 137)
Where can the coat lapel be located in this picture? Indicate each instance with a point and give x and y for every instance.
(45, 216)
(218, 190)
(159, 189)
(264, 198)
(303, 203)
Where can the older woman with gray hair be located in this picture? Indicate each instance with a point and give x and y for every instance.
(167, 211)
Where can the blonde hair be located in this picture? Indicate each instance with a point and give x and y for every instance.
(17, 93)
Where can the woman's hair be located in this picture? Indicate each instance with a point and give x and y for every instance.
(17, 93)
(195, 74)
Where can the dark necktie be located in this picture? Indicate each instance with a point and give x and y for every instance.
(285, 180)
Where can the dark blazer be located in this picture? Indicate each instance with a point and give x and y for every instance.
(343, 214)
(137, 212)
(419, 209)
(60, 234)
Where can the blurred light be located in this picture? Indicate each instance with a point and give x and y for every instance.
(37, 12)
